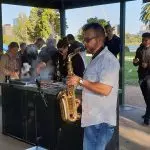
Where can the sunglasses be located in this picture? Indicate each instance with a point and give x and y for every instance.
(87, 40)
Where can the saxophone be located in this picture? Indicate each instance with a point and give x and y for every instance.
(68, 102)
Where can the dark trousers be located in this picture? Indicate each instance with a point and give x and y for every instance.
(145, 87)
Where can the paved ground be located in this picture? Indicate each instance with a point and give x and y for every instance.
(133, 135)
(133, 96)
(8, 143)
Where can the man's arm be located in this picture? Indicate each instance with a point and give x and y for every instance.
(136, 59)
(97, 87)
(107, 79)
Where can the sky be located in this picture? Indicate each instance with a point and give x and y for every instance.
(76, 18)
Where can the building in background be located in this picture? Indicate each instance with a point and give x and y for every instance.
(7, 30)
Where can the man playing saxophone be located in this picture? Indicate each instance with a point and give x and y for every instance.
(100, 89)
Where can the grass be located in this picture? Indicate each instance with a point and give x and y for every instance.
(131, 77)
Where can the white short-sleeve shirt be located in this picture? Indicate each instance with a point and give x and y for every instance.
(96, 108)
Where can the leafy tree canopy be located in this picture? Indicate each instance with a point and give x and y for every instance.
(20, 28)
(145, 14)
(43, 23)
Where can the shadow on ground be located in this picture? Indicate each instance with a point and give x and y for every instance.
(132, 134)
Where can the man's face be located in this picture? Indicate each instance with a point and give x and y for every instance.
(90, 40)
(109, 31)
(146, 42)
(14, 50)
(23, 47)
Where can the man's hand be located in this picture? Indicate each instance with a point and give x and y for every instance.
(73, 80)
(144, 65)
(15, 75)
(136, 60)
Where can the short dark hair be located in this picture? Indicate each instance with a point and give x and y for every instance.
(62, 43)
(13, 45)
(146, 35)
(95, 26)
(70, 37)
(22, 44)
(40, 40)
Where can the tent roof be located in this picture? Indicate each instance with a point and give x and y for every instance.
(58, 4)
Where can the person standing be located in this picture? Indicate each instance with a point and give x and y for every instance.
(77, 61)
(112, 41)
(73, 44)
(47, 59)
(100, 90)
(20, 57)
(142, 60)
(31, 55)
(9, 65)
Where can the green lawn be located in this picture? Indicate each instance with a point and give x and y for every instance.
(131, 77)
(130, 70)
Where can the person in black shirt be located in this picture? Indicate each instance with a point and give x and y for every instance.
(142, 60)
(73, 44)
(112, 41)
(77, 62)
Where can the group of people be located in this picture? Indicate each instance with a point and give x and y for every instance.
(12, 62)
(98, 79)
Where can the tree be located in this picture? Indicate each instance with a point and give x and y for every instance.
(43, 23)
(20, 28)
(102, 22)
(145, 14)
(132, 39)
